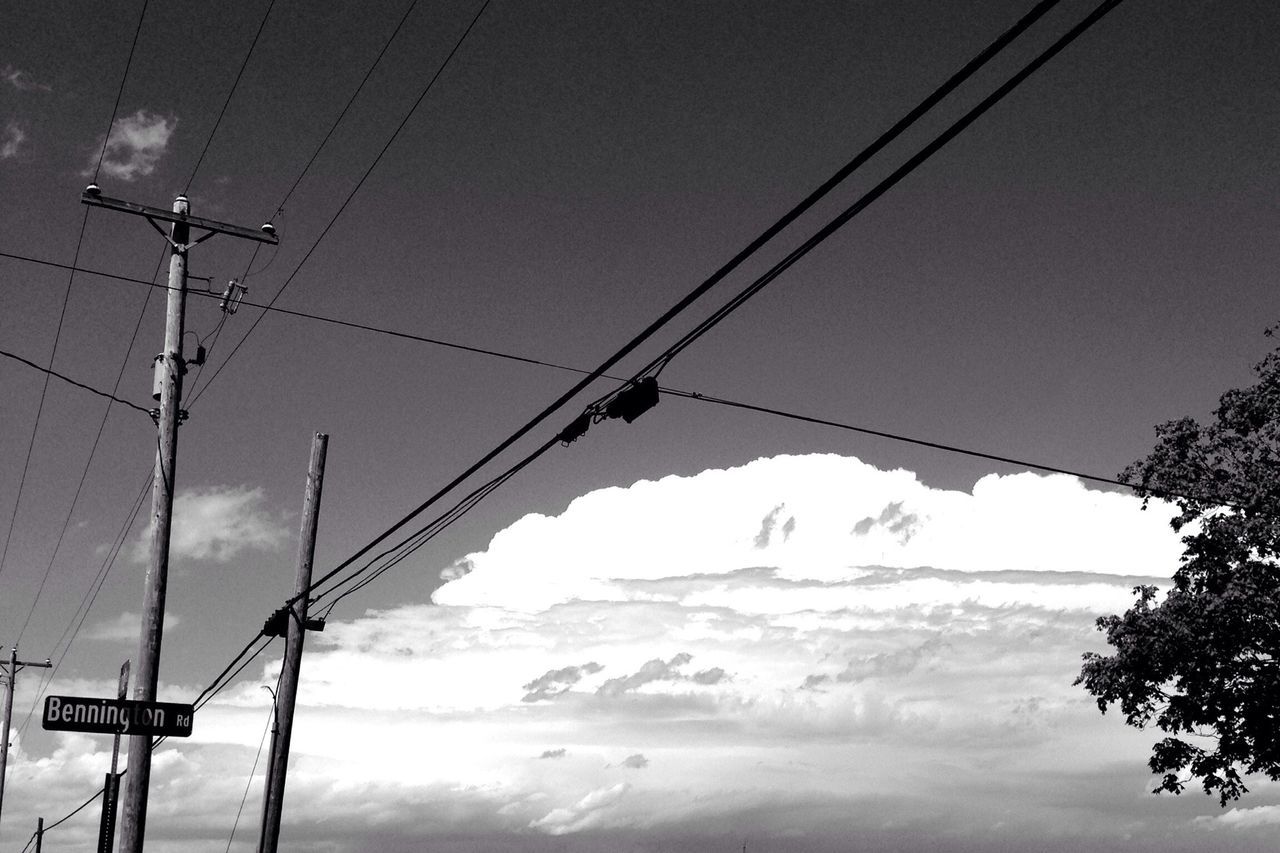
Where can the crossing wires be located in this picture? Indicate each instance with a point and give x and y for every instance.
(57, 336)
(599, 408)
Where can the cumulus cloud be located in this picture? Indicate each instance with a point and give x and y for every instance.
(846, 681)
(11, 140)
(1020, 522)
(125, 627)
(23, 81)
(587, 813)
(219, 523)
(635, 762)
(135, 145)
(553, 682)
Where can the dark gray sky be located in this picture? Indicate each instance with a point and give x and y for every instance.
(1091, 258)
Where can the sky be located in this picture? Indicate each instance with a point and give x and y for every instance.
(705, 628)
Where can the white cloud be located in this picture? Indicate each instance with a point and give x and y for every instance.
(831, 680)
(1247, 818)
(841, 513)
(12, 139)
(219, 523)
(23, 81)
(135, 145)
(125, 627)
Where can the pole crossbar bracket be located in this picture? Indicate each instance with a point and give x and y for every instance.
(152, 214)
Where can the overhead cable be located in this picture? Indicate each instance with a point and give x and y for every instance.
(716, 277)
(227, 102)
(360, 183)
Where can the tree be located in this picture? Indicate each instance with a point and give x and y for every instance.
(1203, 662)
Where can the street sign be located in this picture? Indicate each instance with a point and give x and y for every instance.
(117, 716)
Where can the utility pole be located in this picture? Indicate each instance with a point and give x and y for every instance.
(39, 833)
(297, 623)
(167, 388)
(12, 669)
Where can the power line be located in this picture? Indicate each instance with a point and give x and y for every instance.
(949, 448)
(87, 601)
(879, 189)
(44, 390)
(235, 84)
(409, 336)
(120, 90)
(376, 160)
(716, 277)
(248, 784)
(71, 381)
(91, 594)
(367, 74)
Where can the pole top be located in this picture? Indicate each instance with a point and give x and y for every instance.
(181, 204)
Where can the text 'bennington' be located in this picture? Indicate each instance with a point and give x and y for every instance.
(117, 716)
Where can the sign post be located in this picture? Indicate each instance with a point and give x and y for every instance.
(111, 791)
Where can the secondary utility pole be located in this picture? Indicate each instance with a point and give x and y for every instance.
(167, 388)
(295, 628)
(13, 666)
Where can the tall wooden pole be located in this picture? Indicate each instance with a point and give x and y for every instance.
(8, 715)
(171, 366)
(279, 761)
(13, 666)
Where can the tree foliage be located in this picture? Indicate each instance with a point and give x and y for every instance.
(1203, 663)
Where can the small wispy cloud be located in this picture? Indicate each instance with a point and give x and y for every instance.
(553, 682)
(23, 81)
(654, 670)
(134, 146)
(635, 762)
(11, 140)
(554, 753)
(219, 523)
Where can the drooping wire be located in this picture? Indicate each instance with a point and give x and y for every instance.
(80, 385)
(664, 389)
(364, 327)
(226, 103)
(376, 160)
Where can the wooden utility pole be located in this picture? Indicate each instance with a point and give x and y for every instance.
(13, 666)
(39, 833)
(297, 625)
(167, 388)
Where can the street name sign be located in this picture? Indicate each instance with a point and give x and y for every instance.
(117, 716)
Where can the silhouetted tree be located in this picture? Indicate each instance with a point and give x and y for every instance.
(1201, 662)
